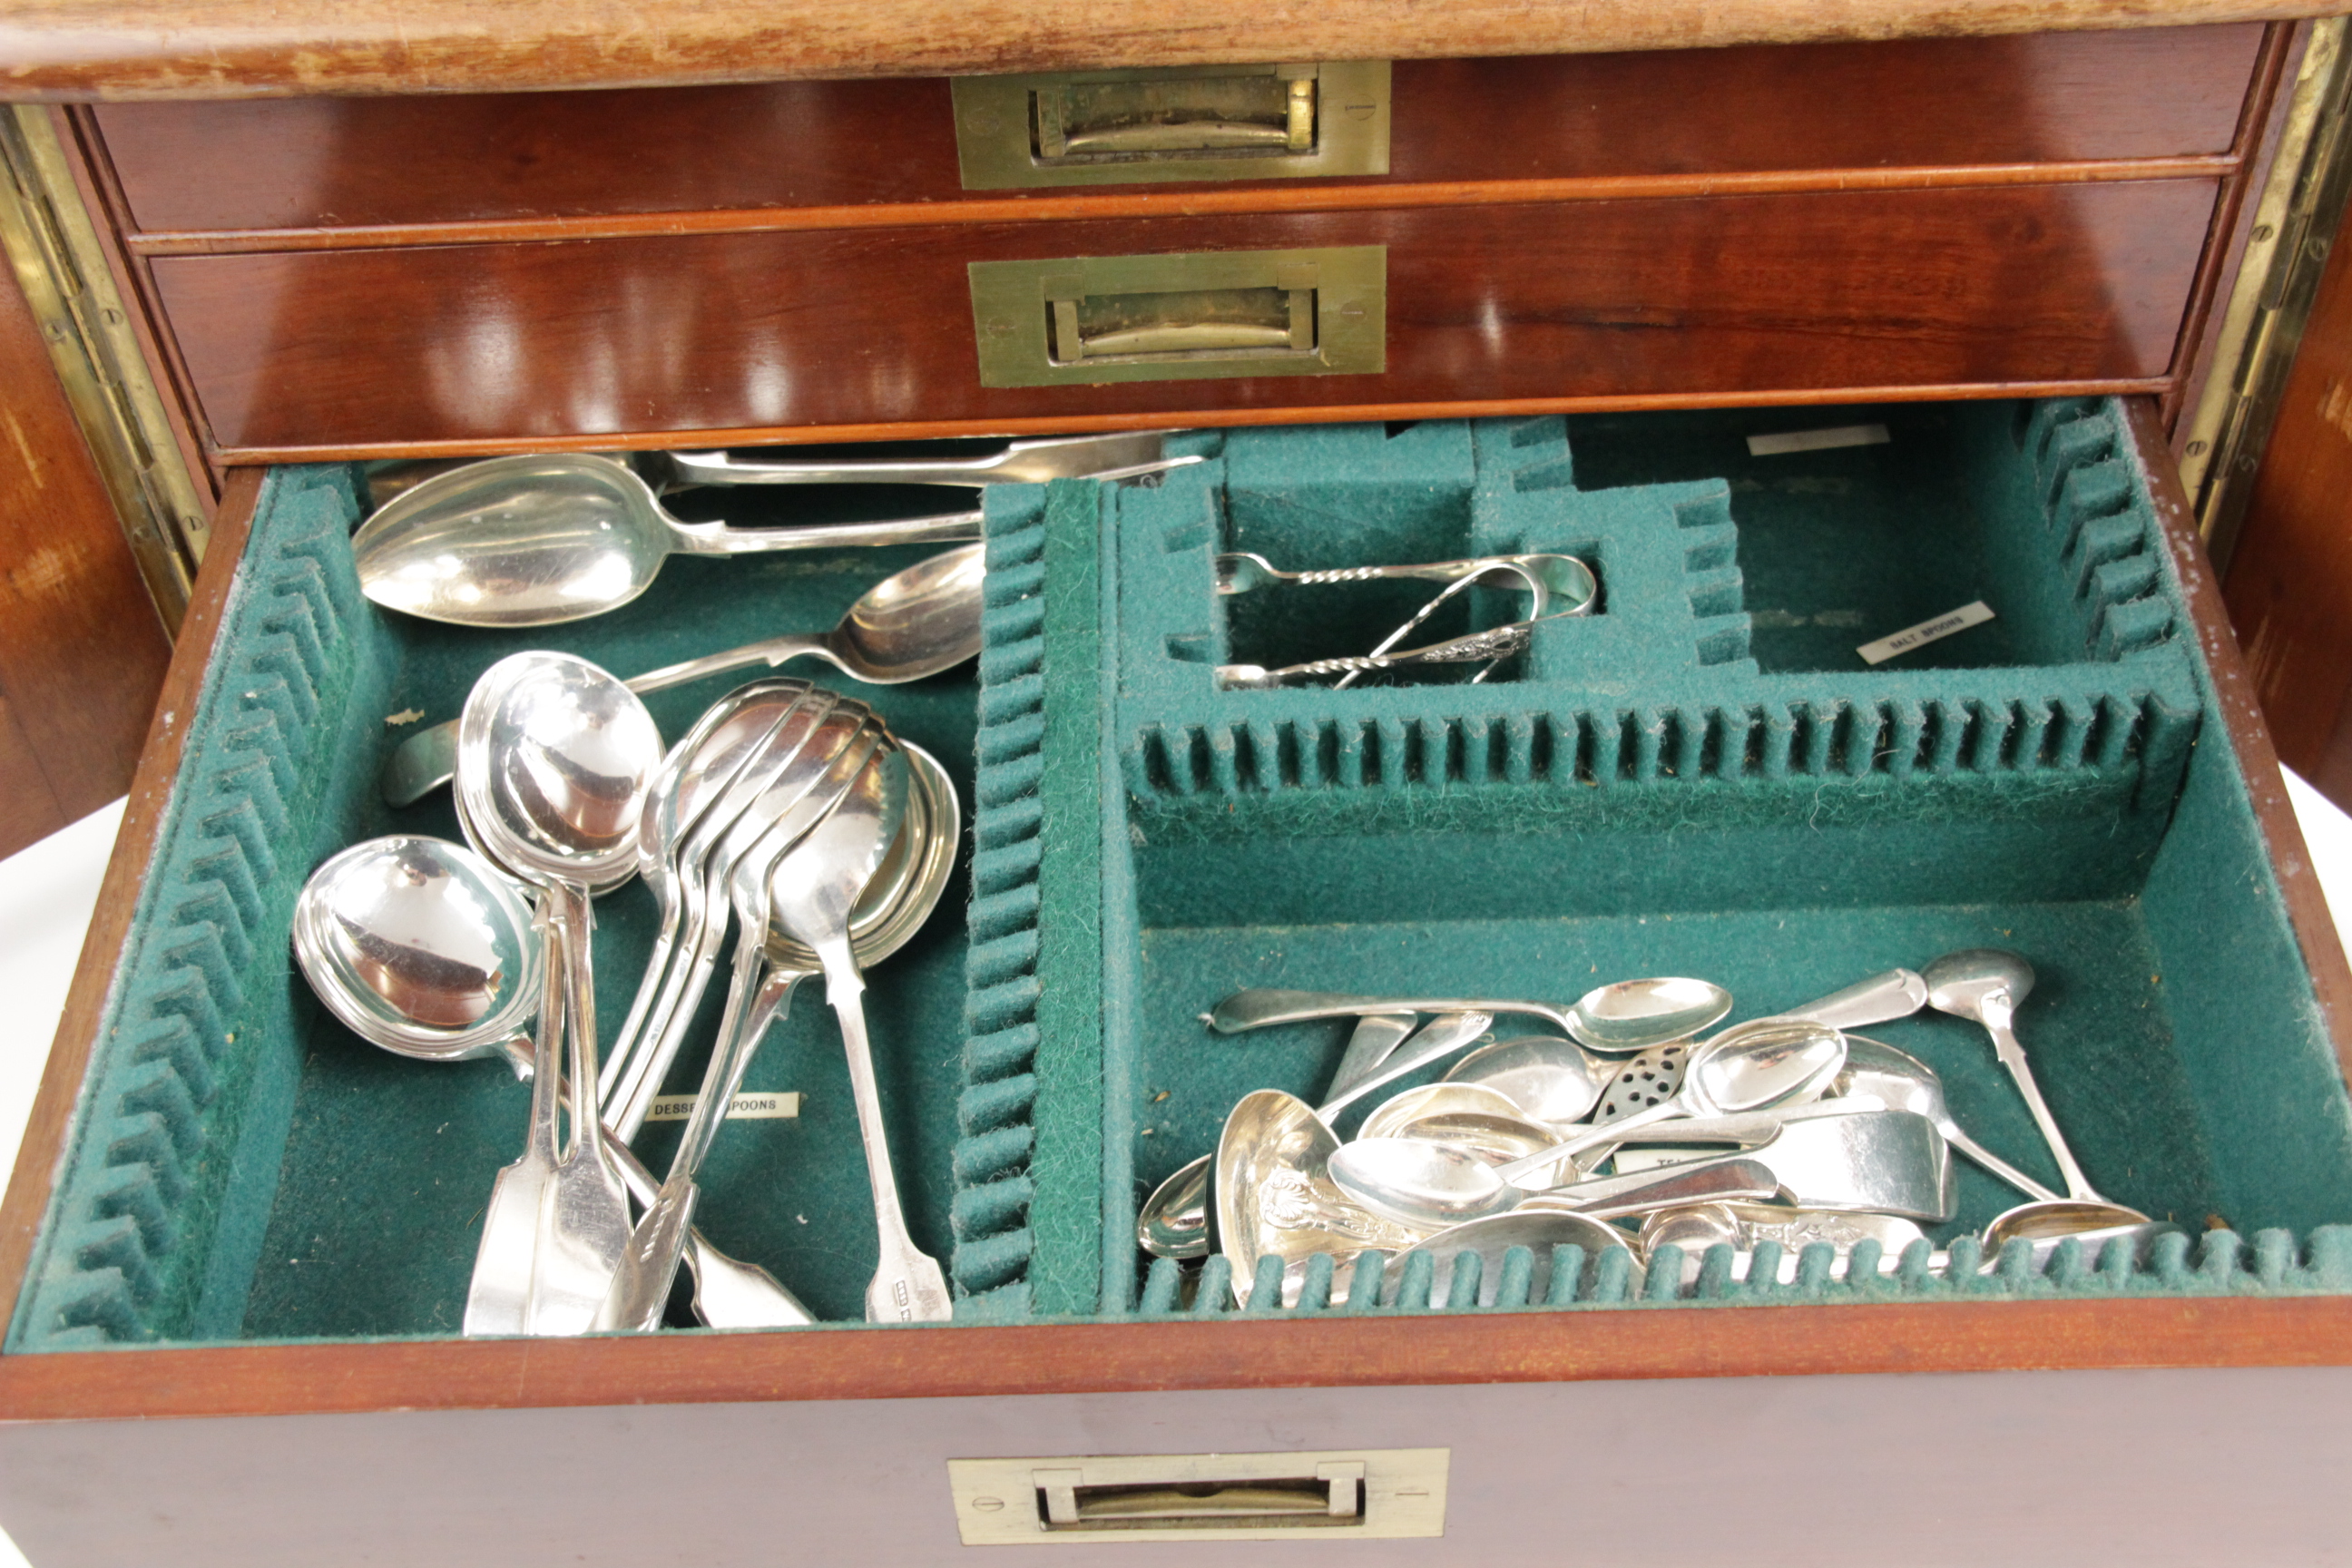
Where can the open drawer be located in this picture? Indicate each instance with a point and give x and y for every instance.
(231, 1212)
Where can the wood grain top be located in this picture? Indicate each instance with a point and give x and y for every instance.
(82, 49)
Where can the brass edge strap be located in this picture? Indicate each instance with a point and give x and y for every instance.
(55, 251)
(2295, 219)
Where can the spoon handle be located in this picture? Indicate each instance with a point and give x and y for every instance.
(718, 539)
(2012, 1053)
(1444, 1035)
(1607, 1132)
(909, 1285)
(641, 1286)
(1260, 1006)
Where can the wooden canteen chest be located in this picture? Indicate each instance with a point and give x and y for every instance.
(1538, 301)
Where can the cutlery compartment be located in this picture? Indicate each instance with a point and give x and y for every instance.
(243, 1167)
(1695, 779)
(1704, 778)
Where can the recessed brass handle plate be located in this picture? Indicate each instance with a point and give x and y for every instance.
(1088, 320)
(1361, 1494)
(1188, 123)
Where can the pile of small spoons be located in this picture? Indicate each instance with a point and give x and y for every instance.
(1621, 1108)
(1556, 587)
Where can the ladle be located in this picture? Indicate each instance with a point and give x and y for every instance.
(1273, 1195)
(397, 934)
(554, 756)
(908, 627)
(1989, 986)
(539, 540)
(1618, 1019)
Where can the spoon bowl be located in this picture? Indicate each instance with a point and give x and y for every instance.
(1548, 1078)
(1491, 1239)
(1275, 1197)
(422, 947)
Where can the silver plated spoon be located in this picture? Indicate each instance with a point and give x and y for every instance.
(909, 626)
(394, 973)
(640, 1289)
(539, 539)
(554, 759)
(1174, 1220)
(1618, 1019)
(1743, 1068)
(1988, 986)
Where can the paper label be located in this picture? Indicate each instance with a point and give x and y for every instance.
(742, 1108)
(1787, 441)
(1926, 631)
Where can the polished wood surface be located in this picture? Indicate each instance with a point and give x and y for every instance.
(1545, 305)
(2253, 147)
(360, 164)
(1318, 1353)
(27, 1196)
(231, 48)
(2290, 584)
(82, 647)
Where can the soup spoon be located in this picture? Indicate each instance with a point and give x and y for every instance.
(539, 540)
(399, 935)
(554, 755)
(908, 627)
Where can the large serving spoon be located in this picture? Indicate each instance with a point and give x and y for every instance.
(908, 627)
(1988, 986)
(401, 938)
(539, 540)
(1619, 1018)
(554, 757)
(1767, 1062)
(640, 1288)
(1174, 1220)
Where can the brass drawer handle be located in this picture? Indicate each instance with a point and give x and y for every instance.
(1196, 123)
(1091, 320)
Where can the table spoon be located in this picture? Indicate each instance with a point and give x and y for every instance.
(909, 626)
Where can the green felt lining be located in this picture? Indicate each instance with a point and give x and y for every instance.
(1700, 778)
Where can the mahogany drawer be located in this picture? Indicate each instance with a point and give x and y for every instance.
(1944, 292)
(188, 169)
(2065, 1406)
